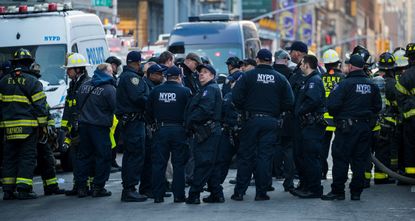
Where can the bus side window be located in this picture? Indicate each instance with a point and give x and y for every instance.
(74, 48)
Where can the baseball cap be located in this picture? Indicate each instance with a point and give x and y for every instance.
(264, 54)
(194, 57)
(173, 71)
(155, 68)
(134, 56)
(207, 66)
(356, 60)
(298, 46)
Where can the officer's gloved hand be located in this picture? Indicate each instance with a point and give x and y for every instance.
(43, 135)
(52, 132)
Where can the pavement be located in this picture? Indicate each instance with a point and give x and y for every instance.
(380, 202)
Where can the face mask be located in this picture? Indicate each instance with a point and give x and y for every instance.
(119, 70)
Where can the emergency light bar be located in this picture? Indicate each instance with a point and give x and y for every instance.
(37, 8)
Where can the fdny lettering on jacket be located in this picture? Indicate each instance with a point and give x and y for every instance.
(167, 97)
(363, 89)
(266, 78)
(87, 88)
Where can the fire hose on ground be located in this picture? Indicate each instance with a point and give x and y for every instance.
(392, 173)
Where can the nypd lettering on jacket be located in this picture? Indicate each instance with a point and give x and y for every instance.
(363, 89)
(167, 97)
(266, 78)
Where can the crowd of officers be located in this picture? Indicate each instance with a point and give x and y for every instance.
(268, 114)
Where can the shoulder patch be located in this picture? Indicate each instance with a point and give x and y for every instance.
(205, 92)
(311, 85)
(135, 80)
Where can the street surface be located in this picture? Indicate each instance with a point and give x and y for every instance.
(381, 202)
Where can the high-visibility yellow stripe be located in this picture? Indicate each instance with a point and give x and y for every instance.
(394, 161)
(64, 123)
(17, 136)
(368, 175)
(15, 98)
(42, 120)
(402, 89)
(409, 114)
(21, 123)
(410, 170)
(380, 176)
(327, 116)
(389, 103)
(376, 128)
(90, 181)
(68, 140)
(51, 122)
(38, 96)
(51, 181)
(20, 180)
(8, 180)
(330, 128)
(327, 93)
(390, 119)
(112, 132)
(71, 102)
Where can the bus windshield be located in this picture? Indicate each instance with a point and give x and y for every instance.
(49, 57)
(217, 54)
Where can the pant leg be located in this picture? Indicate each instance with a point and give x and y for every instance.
(85, 154)
(383, 147)
(146, 175)
(341, 153)
(298, 152)
(9, 170)
(46, 164)
(325, 152)
(359, 155)
(409, 146)
(215, 178)
(133, 159)
(190, 165)
(289, 168)
(312, 144)
(225, 153)
(26, 162)
(267, 141)
(160, 157)
(246, 156)
(179, 156)
(102, 155)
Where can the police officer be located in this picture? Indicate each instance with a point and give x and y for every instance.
(262, 94)
(284, 154)
(165, 107)
(96, 99)
(309, 109)
(116, 66)
(76, 70)
(389, 118)
(330, 78)
(189, 65)
(154, 77)
(132, 93)
(202, 119)
(234, 73)
(406, 102)
(352, 103)
(24, 110)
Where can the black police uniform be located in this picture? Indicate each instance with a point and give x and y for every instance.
(132, 93)
(190, 79)
(406, 103)
(330, 79)
(226, 88)
(352, 103)
(165, 107)
(202, 118)
(24, 110)
(263, 94)
(96, 107)
(309, 109)
(283, 69)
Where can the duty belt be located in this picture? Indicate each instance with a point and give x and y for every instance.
(252, 115)
(166, 124)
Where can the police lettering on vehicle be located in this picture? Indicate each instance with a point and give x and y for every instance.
(95, 55)
(167, 97)
(51, 38)
(363, 89)
(266, 78)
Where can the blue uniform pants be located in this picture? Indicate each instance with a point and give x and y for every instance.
(146, 175)
(350, 147)
(226, 151)
(258, 140)
(94, 152)
(169, 139)
(133, 135)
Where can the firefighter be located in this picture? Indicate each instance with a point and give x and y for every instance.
(24, 113)
(332, 77)
(406, 104)
(76, 71)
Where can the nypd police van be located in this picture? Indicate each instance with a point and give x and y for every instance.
(50, 31)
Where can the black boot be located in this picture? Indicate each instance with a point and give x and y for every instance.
(237, 197)
(9, 195)
(26, 195)
(214, 199)
(131, 195)
(53, 190)
(73, 191)
(333, 196)
(82, 191)
(100, 192)
(194, 198)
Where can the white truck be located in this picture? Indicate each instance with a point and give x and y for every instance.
(50, 31)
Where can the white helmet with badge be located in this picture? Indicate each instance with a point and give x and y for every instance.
(330, 56)
(76, 60)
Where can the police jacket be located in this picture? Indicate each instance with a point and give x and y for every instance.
(206, 105)
(24, 107)
(132, 93)
(263, 90)
(70, 111)
(167, 102)
(355, 97)
(226, 88)
(283, 69)
(296, 79)
(190, 79)
(406, 93)
(229, 112)
(150, 84)
(330, 79)
(96, 100)
(310, 99)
